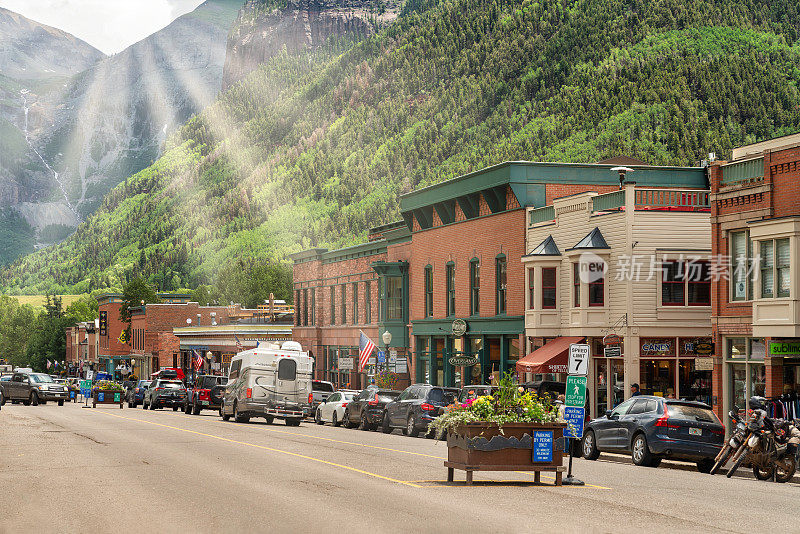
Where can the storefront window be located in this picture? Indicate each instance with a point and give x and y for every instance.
(423, 361)
(438, 358)
(475, 345)
(747, 378)
(601, 386)
(694, 384)
(791, 376)
(738, 374)
(618, 374)
(737, 348)
(657, 377)
(513, 353)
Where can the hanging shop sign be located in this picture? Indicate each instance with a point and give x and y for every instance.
(784, 348)
(612, 351)
(463, 361)
(103, 323)
(612, 339)
(459, 327)
(695, 346)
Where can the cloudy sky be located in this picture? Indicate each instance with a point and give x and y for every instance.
(109, 25)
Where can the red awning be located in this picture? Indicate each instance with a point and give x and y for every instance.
(552, 358)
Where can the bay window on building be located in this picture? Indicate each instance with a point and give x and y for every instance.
(450, 276)
(597, 290)
(474, 286)
(774, 268)
(549, 288)
(394, 298)
(531, 289)
(428, 291)
(741, 286)
(500, 279)
(576, 285)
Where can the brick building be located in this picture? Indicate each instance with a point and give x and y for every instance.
(468, 240)
(454, 262)
(83, 346)
(113, 346)
(756, 308)
(340, 293)
(153, 342)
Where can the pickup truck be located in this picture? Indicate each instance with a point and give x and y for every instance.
(320, 391)
(34, 388)
(206, 394)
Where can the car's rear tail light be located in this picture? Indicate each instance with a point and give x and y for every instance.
(374, 402)
(310, 398)
(344, 404)
(663, 421)
(249, 393)
(428, 407)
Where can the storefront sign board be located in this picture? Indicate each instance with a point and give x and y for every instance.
(401, 366)
(346, 363)
(784, 348)
(704, 364)
(612, 351)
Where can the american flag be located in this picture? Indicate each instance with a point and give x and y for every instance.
(238, 343)
(365, 348)
(198, 361)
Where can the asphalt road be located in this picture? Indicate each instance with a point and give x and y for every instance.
(71, 469)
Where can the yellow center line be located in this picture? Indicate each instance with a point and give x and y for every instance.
(296, 455)
(345, 442)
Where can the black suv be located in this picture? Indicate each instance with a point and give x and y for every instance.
(366, 408)
(417, 405)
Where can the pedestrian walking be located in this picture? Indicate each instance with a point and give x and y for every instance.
(635, 391)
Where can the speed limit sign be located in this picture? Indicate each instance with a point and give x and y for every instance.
(579, 359)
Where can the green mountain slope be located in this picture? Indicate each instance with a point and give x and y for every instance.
(314, 147)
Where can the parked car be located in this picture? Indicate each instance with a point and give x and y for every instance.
(205, 394)
(34, 388)
(653, 428)
(320, 391)
(366, 409)
(332, 410)
(416, 407)
(269, 382)
(474, 391)
(135, 395)
(163, 393)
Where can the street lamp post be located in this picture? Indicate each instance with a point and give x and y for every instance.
(387, 338)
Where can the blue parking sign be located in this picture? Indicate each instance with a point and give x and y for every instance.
(543, 446)
(381, 356)
(575, 416)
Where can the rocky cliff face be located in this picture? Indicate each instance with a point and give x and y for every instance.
(263, 29)
(85, 122)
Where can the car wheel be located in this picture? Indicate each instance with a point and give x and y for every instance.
(239, 418)
(35, 399)
(152, 405)
(292, 422)
(2, 400)
(334, 419)
(269, 419)
(131, 405)
(225, 417)
(346, 419)
(363, 424)
(705, 465)
(590, 451)
(318, 418)
(411, 427)
(196, 409)
(26, 402)
(640, 453)
(61, 403)
(175, 408)
(385, 426)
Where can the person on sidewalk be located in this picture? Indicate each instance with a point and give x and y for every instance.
(635, 391)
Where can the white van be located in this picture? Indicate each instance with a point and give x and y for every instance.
(270, 382)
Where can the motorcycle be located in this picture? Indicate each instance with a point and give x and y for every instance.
(750, 439)
(767, 448)
(732, 445)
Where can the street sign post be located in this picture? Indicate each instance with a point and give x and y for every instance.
(381, 356)
(575, 400)
(575, 393)
(579, 355)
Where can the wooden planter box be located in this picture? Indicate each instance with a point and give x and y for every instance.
(521, 447)
(108, 397)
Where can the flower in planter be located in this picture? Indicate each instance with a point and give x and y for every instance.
(510, 404)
